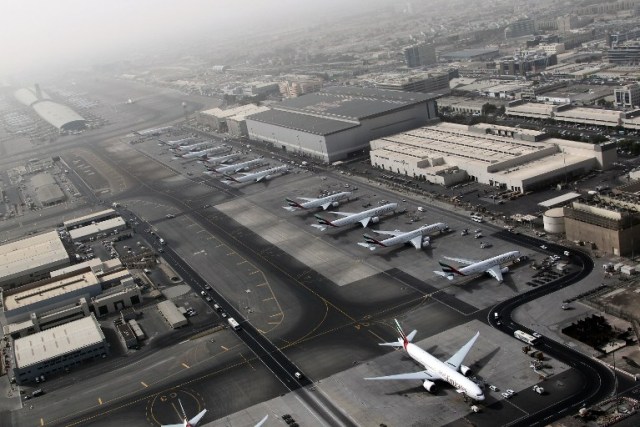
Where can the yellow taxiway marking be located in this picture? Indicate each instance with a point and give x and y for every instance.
(241, 262)
(277, 314)
(254, 272)
(100, 400)
(224, 348)
(185, 365)
(143, 383)
(41, 421)
(268, 299)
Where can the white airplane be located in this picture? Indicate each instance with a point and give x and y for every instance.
(203, 154)
(258, 176)
(332, 200)
(451, 371)
(364, 217)
(215, 161)
(192, 147)
(193, 422)
(153, 131)
(176, 142)
(239, 167)
(489, 265)
(419, 237)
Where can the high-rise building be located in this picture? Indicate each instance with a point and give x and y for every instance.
(419, 55)
(627, 96)
(522, 27)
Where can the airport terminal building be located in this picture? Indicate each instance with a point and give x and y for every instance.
(58, 115)
(339, 122)
(509, 158)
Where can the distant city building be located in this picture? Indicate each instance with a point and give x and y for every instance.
(625, 54)
(525, 64)
(483, 54)
(610, 7)
(614, 39)
(551, 48)
(419, 55)
(425, 82)
(339, 121)
(522, 27)
(217, 118)
(460, 105)
(296, 86)
(567, 23)
(58, 348)
(219, 68)
(627, 96)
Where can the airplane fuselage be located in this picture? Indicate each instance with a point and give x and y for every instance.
(317, 203)
(448, 374)
(482, 266)
(357, 217)
(239, 166)
(258, 176)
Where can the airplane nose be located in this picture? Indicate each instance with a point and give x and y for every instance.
(480, 396)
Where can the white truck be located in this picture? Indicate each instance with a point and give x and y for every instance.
(538, 389)
(235, 325)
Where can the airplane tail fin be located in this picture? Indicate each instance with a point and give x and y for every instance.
(450, 270)
(293, 203)
(323, 221)
(403, 340)
(230, 178)
(445, 275)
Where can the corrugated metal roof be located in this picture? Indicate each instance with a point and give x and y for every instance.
(31, 254)
(302, 122)
(56, 114)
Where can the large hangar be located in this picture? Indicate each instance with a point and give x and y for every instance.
(505, 157)
(58, 115)
(340, 121)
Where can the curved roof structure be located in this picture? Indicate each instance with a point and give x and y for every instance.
(28, 95)
(58, 115)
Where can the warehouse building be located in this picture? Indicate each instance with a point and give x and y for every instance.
(171, 314)
(506, 157)
(580, 115)
(237, 125)
(47, 190)
(419, 82)
(31, 259)
(98, 230)
(90, 218)
(339, 122)
(56, 349)
(481, 54)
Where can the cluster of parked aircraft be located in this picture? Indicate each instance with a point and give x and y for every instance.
(218, 160)
(419, 238)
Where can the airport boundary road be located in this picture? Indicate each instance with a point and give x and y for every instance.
(599, 381)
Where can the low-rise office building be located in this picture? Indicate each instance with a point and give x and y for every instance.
(172, 315)
(89, 219)
(56, 349)
(98, 230)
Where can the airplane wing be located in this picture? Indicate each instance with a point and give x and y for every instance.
(496, 272)
(195, 420)
(173, 425)
(417, 242)
(365, 221)
(326, 205)
(462, 260)
(262, 421)
(422, 375)
(456, 360)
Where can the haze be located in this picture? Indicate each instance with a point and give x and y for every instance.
(37, 34)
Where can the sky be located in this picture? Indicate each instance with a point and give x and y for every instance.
(35, 33)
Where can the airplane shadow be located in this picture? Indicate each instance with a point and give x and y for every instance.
(475, 366)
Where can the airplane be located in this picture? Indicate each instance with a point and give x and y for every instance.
(489, 265)
(257, 176)
(364, 217)
(193, 147)
(238, 167)
(332, 200)
(177, 142)
(419, 237)
(451, 371)
(193, 422)
(203, 154)
(215, 161)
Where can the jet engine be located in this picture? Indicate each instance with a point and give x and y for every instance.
(375, 220)
(429, 386)
(505, 270)
(335, 204)
(465, 370)
(425, 241)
